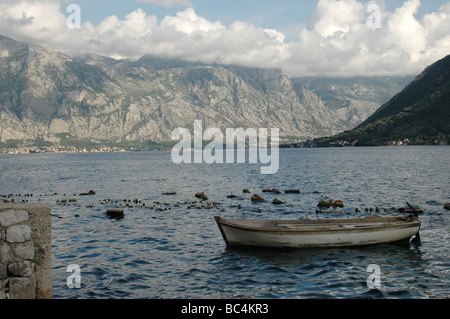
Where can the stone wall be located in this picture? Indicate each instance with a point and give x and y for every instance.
(25, 251)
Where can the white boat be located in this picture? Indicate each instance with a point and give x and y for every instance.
(307, 233)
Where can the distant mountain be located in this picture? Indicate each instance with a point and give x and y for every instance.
(48, 98)
(419, 114)
(354, 99)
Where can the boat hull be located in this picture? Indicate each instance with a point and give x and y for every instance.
(317, 234)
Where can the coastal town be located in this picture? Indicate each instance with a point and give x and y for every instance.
(68, 149)
(31, 149)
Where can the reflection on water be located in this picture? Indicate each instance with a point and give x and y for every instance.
(170, 246)
(326, 273)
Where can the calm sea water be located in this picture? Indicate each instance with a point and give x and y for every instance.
(169, 247)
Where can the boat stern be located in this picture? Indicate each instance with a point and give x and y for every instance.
(219, 221)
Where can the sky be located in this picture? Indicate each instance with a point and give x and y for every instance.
(335, 38)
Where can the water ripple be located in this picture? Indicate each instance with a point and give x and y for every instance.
(157, 252)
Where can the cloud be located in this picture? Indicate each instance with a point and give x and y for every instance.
(333, 16)
(336, 42)
(31, 20)
(168, 3)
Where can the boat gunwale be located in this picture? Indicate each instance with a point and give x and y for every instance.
(321, 226)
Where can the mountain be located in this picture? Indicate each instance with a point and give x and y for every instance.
(354, 99)
(49, 98)
(419, 114)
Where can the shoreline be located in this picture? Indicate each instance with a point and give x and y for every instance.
(122, 150)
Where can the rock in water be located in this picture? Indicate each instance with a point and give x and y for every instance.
(333, 203)
(116, 213)
(257, 198)
(201, 195)
(276, 201)
(91, 192)
(271, 190)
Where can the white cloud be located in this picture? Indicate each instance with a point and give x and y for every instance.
(31, 20)
(188, 22)
(337, 41)
(168, 3)
(333, 16)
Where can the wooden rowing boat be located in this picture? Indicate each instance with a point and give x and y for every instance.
(317, 233)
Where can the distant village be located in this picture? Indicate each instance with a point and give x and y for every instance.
(407, 142)
(68, 149)
(404, 142)
(110, 149)
(400, 143)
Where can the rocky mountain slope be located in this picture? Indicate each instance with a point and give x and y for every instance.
(354, 99)
(47, 97)
(419, 114)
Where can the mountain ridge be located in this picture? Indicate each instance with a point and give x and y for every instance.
(47, 97)
(419, 114)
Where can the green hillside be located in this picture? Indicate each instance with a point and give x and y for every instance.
(419, 114)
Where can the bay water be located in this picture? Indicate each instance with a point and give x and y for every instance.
(168, 244)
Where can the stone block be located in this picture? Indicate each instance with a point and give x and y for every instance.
(4, 288)
(22, 288)
(5, 257)
(25, 251)
(18, 234)
(3, 272)
(11, 217)
(21, 268)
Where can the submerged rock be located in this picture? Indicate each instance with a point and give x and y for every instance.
(271, 190)
(91, 192)
(257, 198)
(201, 195)
(332, 203)
(447, 206)
(246, 191)
(292, 191)
(116, 213)
(276, 201)
(231, 196)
